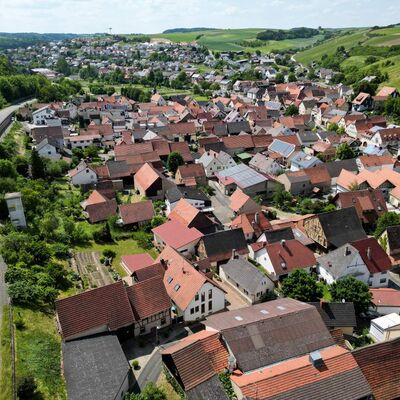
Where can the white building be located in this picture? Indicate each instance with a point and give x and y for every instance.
(16, 209)
(82, 174)
(45, 116)
(385, 328)
(47, 150)
(214, 162)
(193, 294)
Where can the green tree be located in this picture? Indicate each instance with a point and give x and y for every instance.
(38, 167)
(174, 160)
(279, 78)
(302, 286)
(63, 67)
(352, 290)
(7, 169)
(91, 151)
(385, 220)
(282, 199)
(291, 110)
(150, 392)
(292, 77)
(344, 152)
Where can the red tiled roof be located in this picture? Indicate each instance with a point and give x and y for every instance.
(238, 142)
(283, 379)
(191, 170)
(146, 176)
(106, 306)
(385, 297)
(184, 212)
(101, 211)
(248, 223)
(198, 357)
(239, 199)
(380, 364)
(148, 297)
(374, 160)
(374, 257)
(134, 262)
(318, 175)
(176, 234)
(292, 253)
(180, 272)
(136, 212)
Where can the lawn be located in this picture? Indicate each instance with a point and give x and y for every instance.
(121, 248)
(6, 371)
(230, 40)
(167, 387)
(329, 47)
(38, 352)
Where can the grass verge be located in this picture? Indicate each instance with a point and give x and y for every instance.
(5, 349)
(38, 352)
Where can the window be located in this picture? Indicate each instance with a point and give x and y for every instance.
(177, 287)
(192, 311)
(163, 321)
(210, 294)
(203, 308)
(203, 297)
(383, 280)
(197, 309)
(142, 329)
(196, 298)
(210, 305)
(170, 279)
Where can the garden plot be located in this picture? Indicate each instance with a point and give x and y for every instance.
(92, 272)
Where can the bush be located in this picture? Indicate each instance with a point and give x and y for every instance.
(108, 253)
(135, 364)
(144, 239)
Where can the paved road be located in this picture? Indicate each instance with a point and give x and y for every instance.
(3, 292)
(5, 112)
(151, 371)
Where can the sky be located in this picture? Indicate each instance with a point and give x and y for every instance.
(154, 16)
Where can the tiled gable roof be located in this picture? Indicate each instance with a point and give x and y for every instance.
(148, 297)
(106, 306)
(136, 212)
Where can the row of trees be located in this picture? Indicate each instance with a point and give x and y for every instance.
(302, 286)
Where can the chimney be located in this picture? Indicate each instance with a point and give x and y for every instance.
(196, 266)
(234, 255)
(231, 363)
(316, 359)
(163, 263)
(369, 251)
(283, 242)
(347, 251)
(322, 303)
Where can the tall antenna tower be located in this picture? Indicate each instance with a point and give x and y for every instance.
(110, 31)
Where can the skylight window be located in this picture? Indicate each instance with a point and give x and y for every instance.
(177, 287)
(170, 279)
(238, 318)
(281, 308)
(265, 312)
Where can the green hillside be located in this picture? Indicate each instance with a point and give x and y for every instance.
(383, 44)
(235, 40)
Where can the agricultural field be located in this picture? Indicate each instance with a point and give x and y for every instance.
(230, 40)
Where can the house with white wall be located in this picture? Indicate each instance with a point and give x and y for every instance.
(214, 162)
(363, 259)
(82, 174)
(385, 328)
(48, 150)
(193, 294)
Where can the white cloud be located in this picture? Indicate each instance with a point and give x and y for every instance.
(151, 16)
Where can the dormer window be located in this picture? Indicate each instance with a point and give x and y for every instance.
(170, 279)
(177, 287)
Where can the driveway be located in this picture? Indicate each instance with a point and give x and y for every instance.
(3, 292)
(232, 300)
(220, 203)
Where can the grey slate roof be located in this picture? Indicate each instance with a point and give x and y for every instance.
(178, 192)
(94, 367)
(244, 273)
(335, 167)
(280, 147)
(307, 137)
(274, 236)
(208, 390)
(342, 226)
(235, 128)
(337, 315)
(275, 335)
(303, 160)
(337, 261)
(224, 241)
